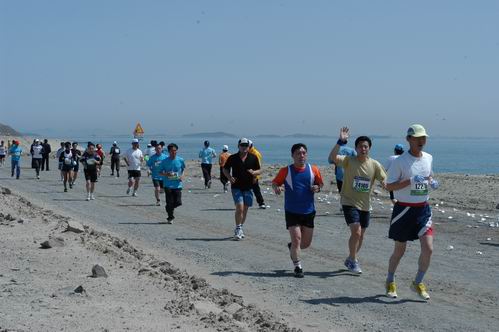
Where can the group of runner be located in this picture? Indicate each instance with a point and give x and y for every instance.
(407, 175)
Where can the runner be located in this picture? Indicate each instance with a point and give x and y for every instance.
(301, 181)
(36, 156)
(90, 160)
(102, 156)
(46, 154)
(133, 159)
(207, 154)
(398, 150)
(256, 186)
(244, 167)
(221, 161)
(360, 172)
(68, 161)
(15, 152)
(154, 164)
(172, 169)
(150, 151)
(76, 155)
(3, 152)
(409, 177)
(115, 159)
(57, 156)
(339, 171)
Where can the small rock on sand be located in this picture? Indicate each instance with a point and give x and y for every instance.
(74, 226)
(204, 308)
(98, 272)
(51, 243)
(6, 191)
(233, 308)
(80, 290)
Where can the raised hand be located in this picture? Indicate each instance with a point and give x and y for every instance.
(344, 133)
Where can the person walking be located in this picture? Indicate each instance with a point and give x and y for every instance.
(3, 153)
(36, 157)
(15, 152)
(75, 151)
(173, 170)
(241, 169)
(47, 149)
(115, 159)
(134, 159)
(301, 181)
(68, 161)
(222, 159)
(154, 165)
(58, 156)
(207, 154)
(90, 159)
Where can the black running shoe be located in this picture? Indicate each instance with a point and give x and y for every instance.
(299, 272)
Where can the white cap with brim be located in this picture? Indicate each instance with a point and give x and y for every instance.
(244, 140)
(135, 141)
(416, 130)
(225, 148)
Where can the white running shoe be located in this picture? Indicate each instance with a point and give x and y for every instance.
(92, 197)
(238, 234)
(88, 197)
(134, 194)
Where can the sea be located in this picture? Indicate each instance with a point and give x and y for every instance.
(450, 155)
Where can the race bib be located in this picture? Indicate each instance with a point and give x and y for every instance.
(157, 163)
(361, 184)
(419, 188)
(67, 161)
(91, 161)
(116, 151)
(173, 177)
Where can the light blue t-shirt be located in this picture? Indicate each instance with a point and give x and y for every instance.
(207, 155)
(344, 151)
(177, 166)
(15, 152)
(154, 164)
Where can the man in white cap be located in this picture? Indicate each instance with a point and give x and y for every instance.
(133, 159)
(409, 177)
(222, 159)
(36, 157)
(241, 169)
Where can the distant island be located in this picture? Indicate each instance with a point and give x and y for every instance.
(210, 135)
(6, 130)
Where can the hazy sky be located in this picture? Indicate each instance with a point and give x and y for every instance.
(250, 67)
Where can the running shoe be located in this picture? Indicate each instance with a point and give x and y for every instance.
(209, 184)
(237, 234)
(65, 190)
(134, 194)
(70, 186)
(92, 197)
(128, 191)
(353, 266)
(421, 290)
(299, 272)
(88, 197)
(38, 177)
(262, 206)
(391, 289)
(158, 203)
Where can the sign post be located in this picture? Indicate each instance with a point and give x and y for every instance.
(138, 133)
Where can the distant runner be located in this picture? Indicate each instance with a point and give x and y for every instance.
(76, 155)
(90, 160)
(207, 154)
(3, 153)
(57, 156)
(133, 159)
(221, 161)
(301, 181)
(115, 159)
(172, 169)
(46, 154)
(36, 157)
(360, 174)
(68, 162)
(154, 164)
(256, 186)
(241, 169)
(398, 150)
(102, 156)
(15, 152)
(409, 177)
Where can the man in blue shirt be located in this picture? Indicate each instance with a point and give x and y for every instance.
(154, 164)
(15, 152)
(172, 169)
(207, 155)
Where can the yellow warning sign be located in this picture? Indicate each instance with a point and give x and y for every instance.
(139, 131)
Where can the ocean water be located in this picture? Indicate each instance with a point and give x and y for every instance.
(450, 155)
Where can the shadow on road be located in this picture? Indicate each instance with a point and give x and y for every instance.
(125, 205)
(490, 244)
(378, 299)
(204, 239)
(69, 199)
(218, 209)
(286, 273)
(142, 223)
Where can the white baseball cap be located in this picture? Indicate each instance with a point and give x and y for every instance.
(135, 141)
(225, 148)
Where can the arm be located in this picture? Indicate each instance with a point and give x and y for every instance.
(398, 185)
(333, 155)
(279, 180)
(318, 182)
(228, 175)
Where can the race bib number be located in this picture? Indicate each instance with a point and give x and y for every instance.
(116, 151)
(419, 188)
(67, 161)
(361, 184)
(91, 161)
(173, 177)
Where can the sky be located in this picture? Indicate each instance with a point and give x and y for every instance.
(250, 67)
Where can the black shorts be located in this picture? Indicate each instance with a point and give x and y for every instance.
(2, 156)
(76, 168)
(157, 183)
(339, 185)
(66, 168)
(297, 219)
(133, 174)
(409, 223)
(354, 215)
(36, 163)
(90, 175)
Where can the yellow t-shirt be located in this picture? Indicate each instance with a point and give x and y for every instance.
(258, 155)
(358, 181)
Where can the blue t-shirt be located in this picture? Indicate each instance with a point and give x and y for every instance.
(207, 155)
(154, 164)
(344, 151)
(176, 166)
(15, 152)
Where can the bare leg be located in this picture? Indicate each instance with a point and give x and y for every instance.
(353, 242)
(398, 252)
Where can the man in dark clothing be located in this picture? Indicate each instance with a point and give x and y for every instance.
(115, 159)
(45, 155)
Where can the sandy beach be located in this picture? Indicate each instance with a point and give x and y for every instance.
(190, 276)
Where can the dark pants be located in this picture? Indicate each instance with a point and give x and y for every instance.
(16, 166)
(173, 200)
(45, 162)
(206, 168)
(223, 178)
(391, 195)
(36, 163)
(115, 164)
(258, 193)
(339, 184)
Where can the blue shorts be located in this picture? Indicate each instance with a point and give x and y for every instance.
(409, 223)
(354, 215)
(242, 196)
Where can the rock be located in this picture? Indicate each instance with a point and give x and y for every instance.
(204, 308)
(52, 243)
(74, 227)
(6, 191)
(80, 290)
(233, 308)
(20, 221)
(497, 206)
(98, 272)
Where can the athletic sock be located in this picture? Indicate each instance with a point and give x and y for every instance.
(297, 264)
(419, 277)
(390, 277)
